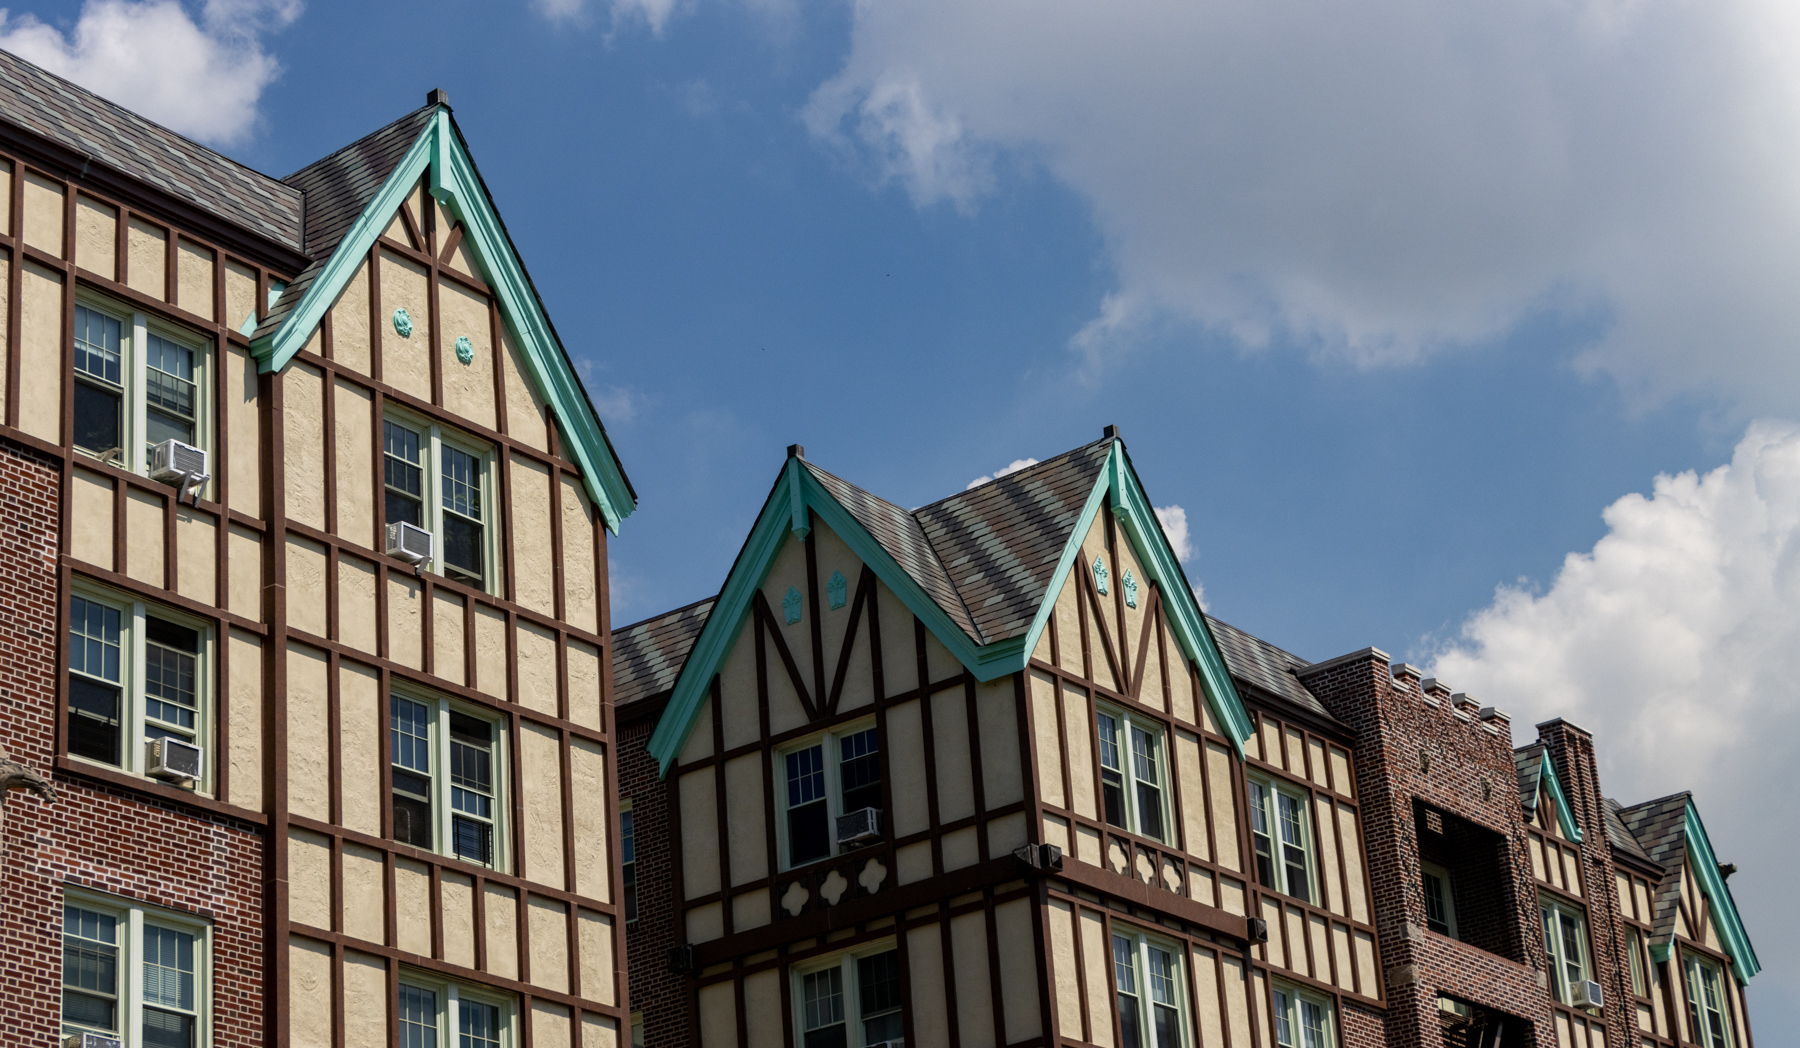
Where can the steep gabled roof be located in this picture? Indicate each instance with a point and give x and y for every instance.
(1669, 831)
(1537, 773)
(1256, 661)
(1620, 836)
(49, 106)
(648, 656)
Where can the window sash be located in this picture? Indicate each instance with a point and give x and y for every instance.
(150, 689)
(436, 1013)
(1281, 835)
(151, 379)
(160, 972)
(1302, 1020)
(1149, 987)
(1133, 773)
(849, 1000)
(1565, 941)
(1440, 899)
(1707, 1019)
(443, 484)
(436, 779)
(816, 781)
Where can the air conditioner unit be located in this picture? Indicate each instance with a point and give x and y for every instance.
(182, 465)
(176, 760)
(1587, 995)
(888, 1044)
(858, 826)
(92, 1040)
(409, 542)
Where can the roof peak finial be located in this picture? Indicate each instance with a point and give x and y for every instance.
(437, 96)
(1110, 433)
(796, 451)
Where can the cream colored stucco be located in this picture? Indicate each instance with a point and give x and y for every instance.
(5, 305)
(91, 515)
(739, 705)
(541, 771)
(537, 668)
(6, 176)
(906, 763)
(942, 665)
(1007, 833)
(788, 569)
(1068, 625)
(1002, 775)
(365, 1001)
(912, 862)
(144, 536)
(1094, 960)
(950, 739)
(405, 620)
(350, 323)
(243, 429)
(405, 359)
(599, 1031)
(750, 910)
(490, 651)
(1270, 912)
(309, 992)
(502, 909)
(746, 827)
(534, 581)
(899, 660)
(1066, 997)
(1151, 691)
(244, 701)
(1056, 831)
(718, 1015)
(1356, 889)
(961, 848)
(468, 388)
(354, 422)
(458, 892)
(147, 259)
(240, 294)
(196, 555)
(1077, 721)
(1218, 773)
(598, 964)
(581, 594)
(1189, 780)
(356, 581)
(306, 585)
(44, 214)
(303, 443)
(195, 279)
(1205, 988)
(1018, 971)
(96, 237)
(449, 641)
(1329, 880)
(699, 744)
(40, 352)
(762, 1009)
(1087, 844)
(309, 878)
(1237, 1009)
(412, 906)
(590, 792)
(833, 555)
(584, 684)
(549, 944)
(308, 713)
(526, 420)
(699, 831)
(925, 964)
(360, 746)
(1341, 956)
(365, 905)
(705, 923)
(1049, 738)
(1183, 697)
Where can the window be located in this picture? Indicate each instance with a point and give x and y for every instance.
(1132, 773)
(432, 481)
(446, 767)
(637, 1030)
(437, 1014)
(138, 672)
(1706, 1003)
(1440, 900)
(851, 1000)
(1565, 942)
(106, 943)
(1302, 1019)
(1280, 830)
(135, 378)
(1634, 949)
(628, 859)
(821, 779)
(1147, 978)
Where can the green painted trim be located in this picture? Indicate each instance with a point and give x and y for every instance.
(1547, 777)
(1744, 964)
(457, 186)
(1659, 952)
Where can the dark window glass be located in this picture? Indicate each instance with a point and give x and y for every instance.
(412, 810)
(418, 1018)
(171, 661)
(859, 770)
(1112, 771)
(167, 1029)
(878, 985)
(479, 1024)
(1144, 763)
(628, 858)
(403, 475)
(96, 667)
(1437, 907)
(93, 720)
(410, 733)
(169, 391)
(809, 835)
(90, 969)
(462, 550)
(97, 423)
(1262, 835)
(100, 393)
(472, 788)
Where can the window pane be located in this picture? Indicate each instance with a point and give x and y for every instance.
(462, 483)
(472, 840)
(1261, 834)
(1312, 1024)
(822, 1000)
(1124, 964)
(97, 418)
(478, 1025)
(90, 968)
(94, 639)
(1284, 1019)
(809, 833)
(462, 549)
(168, 968)
(1436, 912)
(97, 346)
(93, 720)
(806, 775)
(171, 666)
(169, 391)
(168, 1029)
(403, 474)
(1293, 845)
(418, 1018)
(1109, 742)
(411, 723)
(628, 859)
(878, 985)
(859, 770)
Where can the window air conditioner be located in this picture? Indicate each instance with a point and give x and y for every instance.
(182, 465)
(92, 1040)
(889, 1044)
(175, 760)
(1587, 995)
(859, 826)
(409, 542)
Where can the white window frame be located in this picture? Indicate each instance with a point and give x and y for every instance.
(433, 438)
(1129, 722)
(1272, 790)
(450, 993)
(1286, 1001)
(834, 794)
(1427, 871)
(135, 327)
(1695, 968)
(1141, 943)
(846, 960)
(1556, 947)
(441, 812)
(133, 633)
(131, 917)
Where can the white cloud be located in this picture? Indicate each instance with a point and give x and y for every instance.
(202, 78)
(1382, 179)
(1676, 641)
(1011, 467)
(1175, 529)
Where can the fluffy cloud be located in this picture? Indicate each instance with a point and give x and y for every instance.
(1676, 641)
(202, 78)
(1011, 467)
(1383, 179)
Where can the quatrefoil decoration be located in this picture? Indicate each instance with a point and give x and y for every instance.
(403, 322)
(465, 350)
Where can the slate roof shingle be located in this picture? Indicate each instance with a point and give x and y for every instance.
(1621, 837)
(1255, 661)
(648, 655)
(1529, 761)
(1660, 828)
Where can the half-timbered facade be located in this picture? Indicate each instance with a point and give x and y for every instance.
(307, 600)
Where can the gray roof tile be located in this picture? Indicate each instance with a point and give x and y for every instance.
(1255, 661)
(1660, 828)
(648, 655)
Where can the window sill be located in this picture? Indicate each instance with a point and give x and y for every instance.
(145, 785)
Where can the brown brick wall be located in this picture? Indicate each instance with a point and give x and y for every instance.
(660, 994)
(96, 836)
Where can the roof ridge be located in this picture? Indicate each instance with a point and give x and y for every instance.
(1230, 625)
(665, 614)
(346, 147)
(1657, 800)
(1051, 461)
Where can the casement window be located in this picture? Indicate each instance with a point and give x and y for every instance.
(1282, 834)
(137, 673)
(1566, 947)
(136, 973)
(1133, 773)
(1148, 981)
(435, 480)
(1634, 949)
(448, 771)
(851, 1000)
(1440, 899)
(434, 1013)
(1303, 1019)
(138, 382)
(1707, 1021)
(628, 859)
(821, 779)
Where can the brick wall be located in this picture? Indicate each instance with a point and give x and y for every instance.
(96, 836)
(656, 991)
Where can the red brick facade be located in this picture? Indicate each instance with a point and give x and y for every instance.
(656, 990)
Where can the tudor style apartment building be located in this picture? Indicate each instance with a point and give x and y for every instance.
(306, 602)
(983, 773)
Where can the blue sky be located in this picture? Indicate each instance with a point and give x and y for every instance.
(1394, 310)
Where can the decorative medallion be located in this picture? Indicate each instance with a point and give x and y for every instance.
(790, 606)
(1487, 790)
(873, 873)
(1424, 759)
(833, 888)
(835, 589)
(1130, 589)
(403, 322)
(465, 350)
(794, 899)
(1100, 575)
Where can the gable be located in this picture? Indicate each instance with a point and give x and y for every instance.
(1718, 920)
(1553, 798)
(440, 159)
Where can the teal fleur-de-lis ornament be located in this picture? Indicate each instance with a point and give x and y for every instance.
(836, 589)
(790, 606)
(1130, 589)
(1100, 575)
(403, 322)
(465, 350)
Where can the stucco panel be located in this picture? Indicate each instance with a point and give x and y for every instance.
(762, 1009)
(309, 992)
(44, 214)
(593, 818)
(361, 746)
(309, 878)
(537, 668)
(240, 294)
(365, 901)
(354, 422)
(306, 585)
(1225, 840)
(194, 275)
(541, 772)
(147, 259)
(950, 737)
(468, 388)
(490, 651)
(405, 359)
(243, 430)
(534, 581)
(526, 419)
(1018, 972)
(405, 620)
(196, 555)
(449, 642)
(144, 536)
(581, 595)
(303, 443)
(412, 906)
(718, 1016)
(549, 944)
(40, 360)
(598, 958)
(502, 907)
(1002, 776)
(584, 684)
(244, 701)
(1077, 722)
(357, 582)
(459, 919)
(96, 237)
(925, 963)
(700, 838)
(746, 827)
(92, 518)
(308, 712)
(365, 1001)
(350, 322)
(906, 762)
